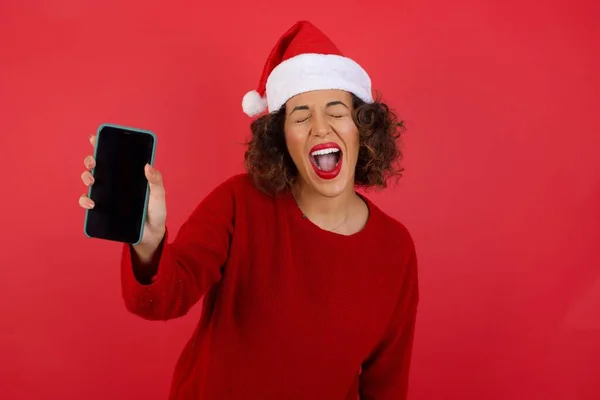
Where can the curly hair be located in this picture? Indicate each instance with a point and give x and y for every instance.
(271, 168)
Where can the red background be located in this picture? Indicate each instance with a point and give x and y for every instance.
(501, 191)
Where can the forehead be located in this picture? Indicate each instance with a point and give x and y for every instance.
(320, 97)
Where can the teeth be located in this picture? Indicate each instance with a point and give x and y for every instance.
(324, 151)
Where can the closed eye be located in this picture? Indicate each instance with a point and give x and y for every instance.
(302, 120)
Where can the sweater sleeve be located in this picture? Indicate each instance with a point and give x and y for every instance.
(186, 268)
(385, 373)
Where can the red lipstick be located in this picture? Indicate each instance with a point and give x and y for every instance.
(326, 160)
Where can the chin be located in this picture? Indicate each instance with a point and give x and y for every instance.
(331, 188)
(330, 182)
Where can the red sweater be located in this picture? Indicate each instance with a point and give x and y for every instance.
(290, 311)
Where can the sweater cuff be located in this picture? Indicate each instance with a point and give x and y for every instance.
(142, 278)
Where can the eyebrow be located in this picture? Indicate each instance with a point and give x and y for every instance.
(335, 103)
(330, 104)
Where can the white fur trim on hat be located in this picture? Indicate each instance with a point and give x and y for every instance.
(307, 72)
(253, 104)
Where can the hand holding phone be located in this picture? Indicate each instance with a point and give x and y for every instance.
(126, 197)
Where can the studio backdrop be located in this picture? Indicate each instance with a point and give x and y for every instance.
(501, 188)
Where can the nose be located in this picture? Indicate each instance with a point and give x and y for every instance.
(320, 126)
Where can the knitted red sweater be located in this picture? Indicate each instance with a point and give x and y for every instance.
(290, 311)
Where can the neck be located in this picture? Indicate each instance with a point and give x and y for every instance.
(325, 212)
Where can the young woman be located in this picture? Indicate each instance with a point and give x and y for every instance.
(309, 290)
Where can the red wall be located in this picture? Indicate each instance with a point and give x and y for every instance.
(501, 191)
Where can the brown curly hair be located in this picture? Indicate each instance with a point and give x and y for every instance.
(270, 165)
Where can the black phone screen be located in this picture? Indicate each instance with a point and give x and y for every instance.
(120, 185)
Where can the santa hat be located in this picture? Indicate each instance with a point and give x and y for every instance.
(304, 59)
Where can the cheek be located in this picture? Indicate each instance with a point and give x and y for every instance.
(351, 138)
(295, 144)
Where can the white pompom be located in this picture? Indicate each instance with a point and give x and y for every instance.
(253, 104)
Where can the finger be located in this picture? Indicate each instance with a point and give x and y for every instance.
(89, 162)
(86, 202)
(93, 140)
(155, 181)
(87, 178)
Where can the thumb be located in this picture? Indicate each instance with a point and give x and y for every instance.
(154, 180)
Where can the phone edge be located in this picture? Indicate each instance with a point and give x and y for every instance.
(152, 157)
(93, 170)
(145, 213)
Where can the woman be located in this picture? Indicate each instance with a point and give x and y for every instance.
(310, 290)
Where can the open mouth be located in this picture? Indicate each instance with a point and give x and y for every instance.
(326, 160)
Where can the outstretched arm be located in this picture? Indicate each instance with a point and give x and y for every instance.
(182, 271)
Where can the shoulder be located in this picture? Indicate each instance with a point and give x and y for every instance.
(238, 189)
(239, 181)
(396, 244)
(240, 184)
(391, 234)
(228, 197)
(387, 225)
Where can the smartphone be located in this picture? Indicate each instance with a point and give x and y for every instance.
(120, 190)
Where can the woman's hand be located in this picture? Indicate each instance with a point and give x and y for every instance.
(154, 226)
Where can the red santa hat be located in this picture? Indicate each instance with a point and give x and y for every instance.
(304, 59)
